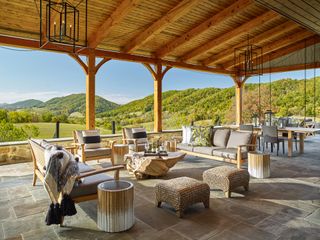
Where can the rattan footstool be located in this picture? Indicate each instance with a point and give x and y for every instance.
(182, 192)
(226, 178)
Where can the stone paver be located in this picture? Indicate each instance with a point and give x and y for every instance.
(284, 206)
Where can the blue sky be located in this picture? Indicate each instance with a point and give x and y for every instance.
(43, 75)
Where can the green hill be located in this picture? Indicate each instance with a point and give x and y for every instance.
(218, 105)
(76, 103)
(30, 103)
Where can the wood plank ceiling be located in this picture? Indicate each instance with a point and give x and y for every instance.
(193, 34)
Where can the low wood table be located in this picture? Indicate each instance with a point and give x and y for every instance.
(119, 151)
(144, 166)
(115, 206)
(259, 164)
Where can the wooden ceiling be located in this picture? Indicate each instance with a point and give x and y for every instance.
(192, 34)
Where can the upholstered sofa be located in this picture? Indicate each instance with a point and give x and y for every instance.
(225, 145)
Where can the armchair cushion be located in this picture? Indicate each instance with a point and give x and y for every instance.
(128, 133)
(88, 185)
(239, 138)
(140, 134)
(96, 152)
(91, 139)
(220, 137)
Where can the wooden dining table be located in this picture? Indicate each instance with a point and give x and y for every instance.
(301, 131)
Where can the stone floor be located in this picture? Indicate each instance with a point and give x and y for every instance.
(284, 206)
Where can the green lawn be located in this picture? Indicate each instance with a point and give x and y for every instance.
(47, 129)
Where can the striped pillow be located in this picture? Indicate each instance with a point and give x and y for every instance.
(91, 139)
(140, 134)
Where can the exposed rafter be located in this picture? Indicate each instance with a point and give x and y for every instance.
(114, 19)
(223, 15)
(293, 67)
(272, 33)
(239, 31)
(292, 48)
(160, 24)
(273, 46)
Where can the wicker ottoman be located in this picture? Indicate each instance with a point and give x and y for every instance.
(182, 192)
(226, 178)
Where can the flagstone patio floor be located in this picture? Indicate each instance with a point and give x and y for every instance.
(284, 206)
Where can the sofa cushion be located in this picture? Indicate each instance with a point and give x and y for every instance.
(230, 153)
(140, 134)
(184, 146)
(238, 138)
(84, 167)
(141, 147)
(96, 152)
(220, 137)
(204, 150)
(88, 185)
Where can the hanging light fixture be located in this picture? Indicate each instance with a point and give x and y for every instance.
(268, 115)
(60, 23)
(248, 60)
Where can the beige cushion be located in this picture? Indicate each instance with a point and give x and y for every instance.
(128, 133)
(141, 147)
(96, 152)
(220, 137)
(229, 153)
(137, 131)
(185, 146)
(91, 133)
(204, 150)
(89, 185)
(239, 138)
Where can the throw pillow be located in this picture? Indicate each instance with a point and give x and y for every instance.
(239, 138)
(201, 136)
(184, 135)
(140, 134)
(221, 137)
(91, 139)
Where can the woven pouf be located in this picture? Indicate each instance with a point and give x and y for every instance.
(182, 192)
(226, 178)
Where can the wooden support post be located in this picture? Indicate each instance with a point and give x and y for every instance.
(90, 90)
(157, 74)
(239, 88)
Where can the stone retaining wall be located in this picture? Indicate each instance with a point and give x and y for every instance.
(18, 152)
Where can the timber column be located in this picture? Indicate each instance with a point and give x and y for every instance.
(157, 73)
(239, 89)
(90, 90)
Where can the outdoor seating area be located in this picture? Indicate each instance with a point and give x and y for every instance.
(284, 206)
(237, 166)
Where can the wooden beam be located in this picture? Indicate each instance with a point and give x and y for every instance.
(223, 15)
(156, 27)
(273, 46)
(293, 68)
(292, 48)
(110, 22)
(99, 65)
(239, 31)
(34, 44)
(272, 33)
(79, 60)
(90, 91)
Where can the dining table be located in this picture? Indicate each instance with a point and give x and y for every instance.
(300, 131)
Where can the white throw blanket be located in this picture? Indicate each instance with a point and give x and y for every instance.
(61, 172)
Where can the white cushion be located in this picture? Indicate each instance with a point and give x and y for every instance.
(184, 135)
(91, 133)
(188, 134)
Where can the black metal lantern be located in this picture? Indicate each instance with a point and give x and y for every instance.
(248, 60)
(62, 23)
(268, 115)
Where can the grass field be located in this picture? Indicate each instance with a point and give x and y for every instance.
(47, 129)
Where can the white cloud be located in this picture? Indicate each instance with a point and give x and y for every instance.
(12, 97)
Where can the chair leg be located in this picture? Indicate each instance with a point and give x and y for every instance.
(271, 147)
(283, 147)
(278, 148)
(34, 178)
(263, 143)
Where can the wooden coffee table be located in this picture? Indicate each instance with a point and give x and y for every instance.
(143, 167)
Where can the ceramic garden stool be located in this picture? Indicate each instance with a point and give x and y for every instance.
(182, 192)
(226, 178)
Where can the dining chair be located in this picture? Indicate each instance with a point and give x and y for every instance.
(270, 135)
